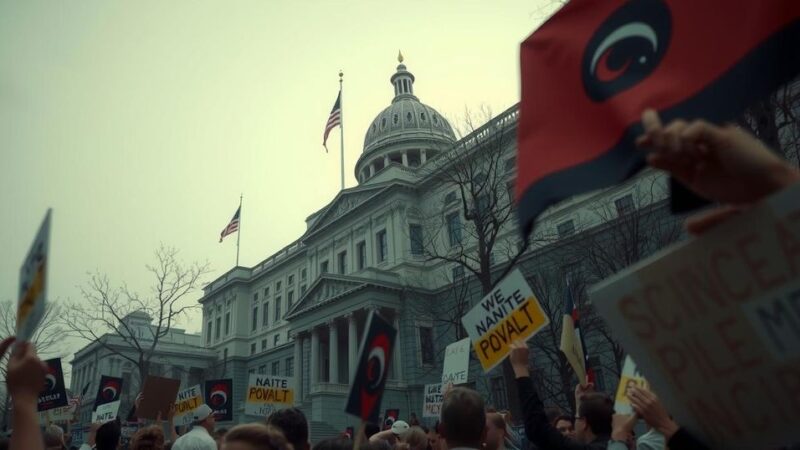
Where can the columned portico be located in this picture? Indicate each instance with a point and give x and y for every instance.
(333, 342)
(352, 346)
(314, 363)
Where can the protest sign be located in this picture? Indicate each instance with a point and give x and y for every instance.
(187, 401)
(54, 394)
(106, 412)
(109, 390)
(508, 313)
(62, 413)
(391, 416)
(456, 363)
(712, 323)
(33, 283)
(366, 391)
(433, 398)
(218, 398)
(630, 377)
(158, 395)
(268, 393)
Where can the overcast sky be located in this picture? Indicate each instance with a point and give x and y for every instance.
(141, 122)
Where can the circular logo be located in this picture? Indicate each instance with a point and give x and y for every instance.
(110, 391)
(376, 364)
(626, 48)
(50, 382)
(218, 396)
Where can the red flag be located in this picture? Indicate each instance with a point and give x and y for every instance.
(590, 71)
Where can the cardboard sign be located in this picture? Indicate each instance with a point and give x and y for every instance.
(108, 391)
(508, 313)
(713, 323)
(54, 394)
(63, 413)
(630, 377)
(106, 412)
(33, 283)
(268, 393)
(219, 398)
(187, 401)
(375, 356)
(456, 363)
(157, 396)
(433, 398)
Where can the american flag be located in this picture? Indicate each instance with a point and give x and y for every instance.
(334, 120)
(572, 341)
(233, 226)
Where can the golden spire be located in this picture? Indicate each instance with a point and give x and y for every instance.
(399, 56)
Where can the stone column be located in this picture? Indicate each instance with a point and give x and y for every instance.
(422, 156)
(298, 368)
(396, 360)
(314, 358)
(333, 352)
(405, 158)
(352, 345)
(371, 169)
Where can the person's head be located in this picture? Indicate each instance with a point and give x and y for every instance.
(565, 425)
(54, 438)
(203, 416)
(294, 426)
(433, 438)
(255, 436)
(107, 436)
(415, 439)
(399, 429)
(148, 438)
(219, 436)
(463, 418)
(495, 431)
(371, 428)
(594, 417)
(337, 443)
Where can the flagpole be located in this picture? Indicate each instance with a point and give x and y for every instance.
(239, 230)
(341, 126)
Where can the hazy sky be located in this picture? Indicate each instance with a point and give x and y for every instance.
(141, 122)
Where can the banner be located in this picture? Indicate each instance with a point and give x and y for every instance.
(508, 313)
(109, 390)
(391, 417)
(268, 393)
(713, 323)
(186, 402)
(219, 398)
(54, 394)
(33, 283)
(375, 355)
(158, 395)
(433, 398)
(456, 363)
(106, 412)
(63, 413)
(630, 377)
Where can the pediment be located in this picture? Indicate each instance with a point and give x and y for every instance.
(345, 202)
(324, 290)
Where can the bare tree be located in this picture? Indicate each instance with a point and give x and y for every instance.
(774, 120)
(103, 312)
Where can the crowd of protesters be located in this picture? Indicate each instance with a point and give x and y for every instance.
(720, 163)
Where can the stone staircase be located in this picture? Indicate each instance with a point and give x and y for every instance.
(321, 431)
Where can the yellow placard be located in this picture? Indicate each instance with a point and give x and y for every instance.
(523, 322)
(186, 405)
(261, 394)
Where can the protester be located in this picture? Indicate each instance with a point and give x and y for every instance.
(54, 438)
(413, 439)
(255, 436)
(413, 421)
(495, 431)
(720, 163)
(199, 437)
(25, 374)
(392, 435)
(336, 443)
(592, 423)
(623, 432)
(148, 438)
(434, 438)
(370, 429)
(463, 419)
(565, 425)
(108, 435)
(647, 406)
(219, 436)
(294, 426)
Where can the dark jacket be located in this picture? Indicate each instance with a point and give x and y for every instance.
(539, 430)
(683, 440)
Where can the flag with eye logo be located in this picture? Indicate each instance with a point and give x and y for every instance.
(590, 70)
(364, 400)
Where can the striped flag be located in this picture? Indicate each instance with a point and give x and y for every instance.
(233, 226)
(334, 120)
(572, 344)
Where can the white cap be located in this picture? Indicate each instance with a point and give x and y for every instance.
(202, 412)
(399, 427)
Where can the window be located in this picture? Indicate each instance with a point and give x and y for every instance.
(219, 326)
(511, 163)
(624, 205)
(323, 267)
(291, 280)
(303, 275)
(382, 250)
(450, 198)
(342, 257)
(263, 345)
(482, 203)
(254, 325)
(277, 309)
(265, 311)
(262, 370)
(266, 291)
(457, 272)
(278, 286)
(302, 289)
(566, 228)
(227, 323)
(225, 354)
(361, 250)
(253, 348)
(255, 297)
(289, 367)
(276, 367)
(499, 393)
(454, 229)
(415, 233)
(275, 340)
(289, 300)
(426, 345)
(208, 332)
